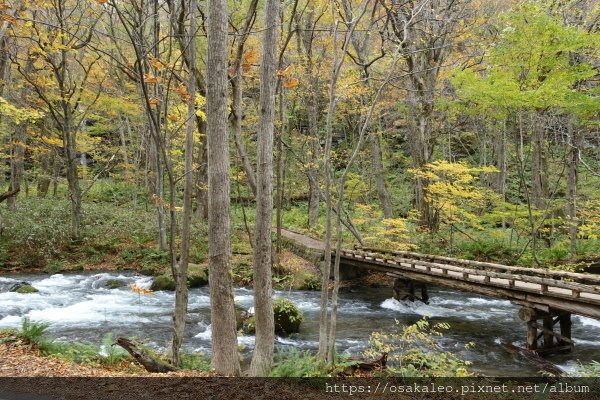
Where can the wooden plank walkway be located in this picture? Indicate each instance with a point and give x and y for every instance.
(535, 288)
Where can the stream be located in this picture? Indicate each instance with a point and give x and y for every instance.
(79, 308)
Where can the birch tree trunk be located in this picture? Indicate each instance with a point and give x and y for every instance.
(225, 359)
(262, 357)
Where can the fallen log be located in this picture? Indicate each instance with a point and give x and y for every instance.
(9, 194)
(533, 357)
(362, 365)
(149, 363)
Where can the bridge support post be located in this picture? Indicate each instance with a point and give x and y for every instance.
(405, 289)
(542, 338)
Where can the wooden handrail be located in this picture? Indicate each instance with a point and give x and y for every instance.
(576, 277)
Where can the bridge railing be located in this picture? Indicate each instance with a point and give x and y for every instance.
(587, 279)
(506, 280)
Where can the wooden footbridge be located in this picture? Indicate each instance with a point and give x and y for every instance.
(548, 298)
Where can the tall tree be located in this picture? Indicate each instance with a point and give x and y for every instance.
(426, 42)
(64, 77)
(225, 358)
(263, 291)
(181, 270)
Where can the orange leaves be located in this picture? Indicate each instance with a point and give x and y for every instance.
(135, 288)
(156, 64)
(284, 72)
(101, 1)
(8, 18)
(154, 101)
(288, 81)
(291, 83)
(250, 57)
(149, 78)
(182, 91)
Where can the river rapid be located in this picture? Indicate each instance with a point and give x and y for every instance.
(79, 308)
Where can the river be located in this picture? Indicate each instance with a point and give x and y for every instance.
(79, 308)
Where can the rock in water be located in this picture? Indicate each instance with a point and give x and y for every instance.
(26, 289)
(163, 282)
(114, 284)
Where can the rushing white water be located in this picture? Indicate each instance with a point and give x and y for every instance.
(79, 307)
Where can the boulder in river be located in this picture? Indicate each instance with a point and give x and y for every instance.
(114, 284)
(26, 289)
(197, 275)
(162, 282)
(288, 318)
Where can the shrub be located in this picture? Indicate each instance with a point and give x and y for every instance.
(413, 351)
(296, 363)
(33, 332)
(197, 362)
(54, 266)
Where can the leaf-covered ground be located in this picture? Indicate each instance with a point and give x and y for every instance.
(18, 359)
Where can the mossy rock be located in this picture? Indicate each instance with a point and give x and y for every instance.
(197, 275)
(163, 282)
(288, 318)
(26, 289)
(197, 280)
(114, 284)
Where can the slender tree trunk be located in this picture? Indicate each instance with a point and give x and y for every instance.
(72, 161)
(237, 99)
(46, 166)
(262, 357)
(237, 105)
(17, 164)
(378, 172)
(181, 270)
(539, 164)
(202, 176)
(225, 358)
(572, 180)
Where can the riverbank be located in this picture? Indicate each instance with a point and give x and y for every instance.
(21, 359)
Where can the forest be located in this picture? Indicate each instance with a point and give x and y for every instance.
(158, 154)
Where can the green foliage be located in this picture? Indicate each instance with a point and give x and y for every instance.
(413, 351)
(531, 66)
(242, 273)
(33, 332)
(113, 354)
(196, 362)
(454, 194)
(288, 316)
(309, 281)
(54, 266)
(295, 363)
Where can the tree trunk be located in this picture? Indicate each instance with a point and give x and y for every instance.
(237, 105)
(539, 163)
(181, 270)
(262, 357)
(17, 164)
(572, 180)
(202, 176)
(378, 172)
(72, 161)
(225, 359)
